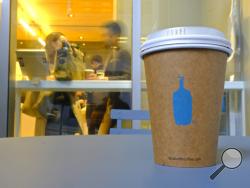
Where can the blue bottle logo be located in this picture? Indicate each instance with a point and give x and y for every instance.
(182, 105)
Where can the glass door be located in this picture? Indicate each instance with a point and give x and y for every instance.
(4, 64)
(73, 58)
(223, 15)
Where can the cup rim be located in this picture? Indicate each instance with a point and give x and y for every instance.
(186, 37)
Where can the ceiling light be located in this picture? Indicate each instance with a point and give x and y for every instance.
(69, 9)
(27, 27)
(122, 41)
(70, 15)
(123, 38)
(41, 41)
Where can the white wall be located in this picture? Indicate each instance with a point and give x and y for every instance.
(160, 14)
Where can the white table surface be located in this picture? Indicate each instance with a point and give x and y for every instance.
(107, 162)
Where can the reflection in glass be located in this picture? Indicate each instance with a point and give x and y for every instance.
(160, 14)
(68, 41)
(1, 15)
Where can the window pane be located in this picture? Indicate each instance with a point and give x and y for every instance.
(66, 45)
(161, 14)
(0, 15)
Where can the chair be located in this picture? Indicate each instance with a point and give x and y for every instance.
(120, 115)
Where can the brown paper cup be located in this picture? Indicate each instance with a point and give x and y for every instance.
(185, 70)
(87, 72)
(185, 89)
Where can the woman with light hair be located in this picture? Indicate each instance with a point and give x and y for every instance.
(65, 64)
(65, 61)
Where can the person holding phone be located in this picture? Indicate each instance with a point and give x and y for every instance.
(65, 64)
(117, 66)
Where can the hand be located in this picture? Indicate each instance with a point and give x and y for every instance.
(78, 94)
(92, 76)
(50, 77)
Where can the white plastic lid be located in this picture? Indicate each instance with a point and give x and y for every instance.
(186, 37)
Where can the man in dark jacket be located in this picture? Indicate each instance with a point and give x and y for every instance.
(117, 67)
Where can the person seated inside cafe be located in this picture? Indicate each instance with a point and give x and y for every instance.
(65, 63)
(117, 66)
(96, 101)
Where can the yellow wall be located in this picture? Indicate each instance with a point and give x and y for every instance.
(27, 127)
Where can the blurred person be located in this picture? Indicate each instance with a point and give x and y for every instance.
(96, 63)
(65, 61)
(96, 101)
(117, 67)
(65, 64)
